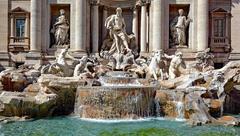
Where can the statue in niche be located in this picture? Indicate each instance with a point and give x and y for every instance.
(61, 30)
(116, 48)
(178, 29)
(117, 28)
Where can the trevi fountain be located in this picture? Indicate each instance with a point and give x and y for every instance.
(119, 91)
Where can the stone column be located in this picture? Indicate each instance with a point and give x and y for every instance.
(80, 27)
(135, 24)
(26, 26)
(35, 41)
(228, 17)
(12, 26)
(104, 29)
(95, 27)
(143, 27)
(157, 32)
(202, 25)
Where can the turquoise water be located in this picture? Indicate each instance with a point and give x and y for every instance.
(71, 126)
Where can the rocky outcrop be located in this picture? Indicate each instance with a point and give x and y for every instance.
(193, 109)
(52, 95)
(228, 121)
(17, 80)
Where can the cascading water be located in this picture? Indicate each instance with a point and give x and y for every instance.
(179, 106)
(180, 111)
(158, 108)
(120, 96)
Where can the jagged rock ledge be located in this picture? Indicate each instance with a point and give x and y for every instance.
(52, 95)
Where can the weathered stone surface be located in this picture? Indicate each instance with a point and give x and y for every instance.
(215, 108)
(196, 109)
(62, 82)
(228, 121)
(50, 96)
(18, 79)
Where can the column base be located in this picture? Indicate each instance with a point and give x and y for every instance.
(33, 57)
(78, 53)
(95, 54)
(4, 59)
(234, 57)
(145, 54)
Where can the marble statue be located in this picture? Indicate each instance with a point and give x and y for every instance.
(81, 67)
(118, 48)
(157, 66)
(61, 30)
(178, 29)
(204, 61)
(60, 66)
(117, 32)
(175, 64)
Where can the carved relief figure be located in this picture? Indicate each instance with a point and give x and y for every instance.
(61, 30)
(178, 29)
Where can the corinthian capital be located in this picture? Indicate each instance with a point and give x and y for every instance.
(95, 2)
(142, 2)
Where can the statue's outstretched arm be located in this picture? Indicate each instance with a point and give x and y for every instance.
(188, 21)
(70, 56)
(108, 22)
(168, 57)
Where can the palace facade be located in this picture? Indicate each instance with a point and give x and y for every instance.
(26, 27)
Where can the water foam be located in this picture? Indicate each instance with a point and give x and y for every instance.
(180, 111)
(116, 120)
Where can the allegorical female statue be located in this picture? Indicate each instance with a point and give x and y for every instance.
(61, 30)
(178, 29)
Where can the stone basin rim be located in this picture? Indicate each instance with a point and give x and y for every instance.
(117, 87)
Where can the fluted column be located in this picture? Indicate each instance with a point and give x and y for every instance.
(202, 25)
(157, 24)
(143, 27)
(80, 43)
(26, 26)
(35, 41)
(104, 29)
(95, 27)
(135, 24)
(12, 26)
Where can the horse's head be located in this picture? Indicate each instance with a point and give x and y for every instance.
(158, 55)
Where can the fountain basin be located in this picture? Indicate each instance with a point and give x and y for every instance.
(115, 102)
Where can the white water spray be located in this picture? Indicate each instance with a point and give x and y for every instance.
(180, 111)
